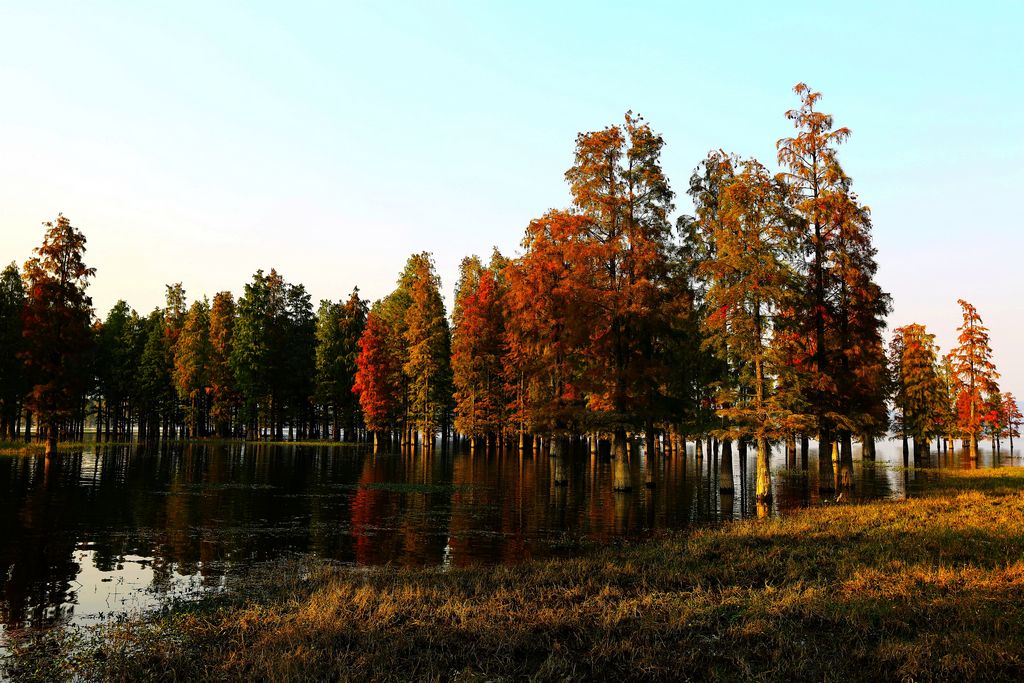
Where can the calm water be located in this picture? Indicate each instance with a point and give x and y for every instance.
(116, 529)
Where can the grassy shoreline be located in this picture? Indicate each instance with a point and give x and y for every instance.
(925, 589)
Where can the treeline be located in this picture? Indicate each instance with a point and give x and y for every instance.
(247, 368)
(757, 319)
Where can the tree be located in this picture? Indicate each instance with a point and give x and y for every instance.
(339, 327)
(844, 309)
(379, 380)
(478, 352)
(428, 339)
(157, 400)
(56, 325)
(550, 321)
(192, 376)
(117, 358)
(617, 181)
(918, 385)
(1011, 417)
(223, 396)
(975, 373)
(296, 350)
(13, 377)
(814, 174)
(752, 239)
(256, 350)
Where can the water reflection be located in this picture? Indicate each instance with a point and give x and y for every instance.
(111, 529)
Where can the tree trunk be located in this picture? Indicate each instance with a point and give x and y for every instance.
(51, 438)
(619, 444)
(725, 483)
(846, 460)
(868, 447)
(825, 473)
(764, 478)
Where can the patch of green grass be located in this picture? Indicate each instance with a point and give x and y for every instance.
(923, 589)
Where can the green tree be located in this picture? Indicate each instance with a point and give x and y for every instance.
(117, 356)
(13, 376)
(428, 339)
(918, 385)
(339, 327)
(157, 400)
(252, 347)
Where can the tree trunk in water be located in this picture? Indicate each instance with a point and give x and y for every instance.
(621, 478)
(764, 477)
(791, 451)
(825, 475)
(51, 438)
(725, 484)
(846, 460)
(868, 448)
(805, 446)
(619, 444)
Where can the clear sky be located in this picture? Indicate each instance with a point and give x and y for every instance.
(197, 142)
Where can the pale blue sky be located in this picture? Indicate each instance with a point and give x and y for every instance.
(201, 141)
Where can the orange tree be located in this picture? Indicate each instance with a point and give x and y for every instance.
(975, 374)
(57, 326)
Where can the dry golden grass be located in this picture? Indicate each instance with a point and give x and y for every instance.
(926, 589)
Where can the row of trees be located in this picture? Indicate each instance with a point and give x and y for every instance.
(249, 367)
(756, 319)
(937, 397)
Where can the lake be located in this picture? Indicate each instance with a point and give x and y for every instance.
(114, 529)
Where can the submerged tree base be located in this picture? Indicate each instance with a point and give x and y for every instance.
(921, 589)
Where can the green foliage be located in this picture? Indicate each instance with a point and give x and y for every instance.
(14, 379)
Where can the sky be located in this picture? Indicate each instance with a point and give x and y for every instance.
(199, 142)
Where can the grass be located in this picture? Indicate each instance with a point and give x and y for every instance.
(924, 589)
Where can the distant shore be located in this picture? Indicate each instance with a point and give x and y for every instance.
(922, 589)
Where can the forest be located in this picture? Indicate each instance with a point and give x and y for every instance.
(757, 320)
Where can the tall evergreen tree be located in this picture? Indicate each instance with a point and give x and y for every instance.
(617, 181)
(918, 385)
(192, 376)
(223, 395)
(478, 353)
(57, 326)
(750, 278)
(428, 339)
(13, 376)
(841, 349)
(975, 373)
